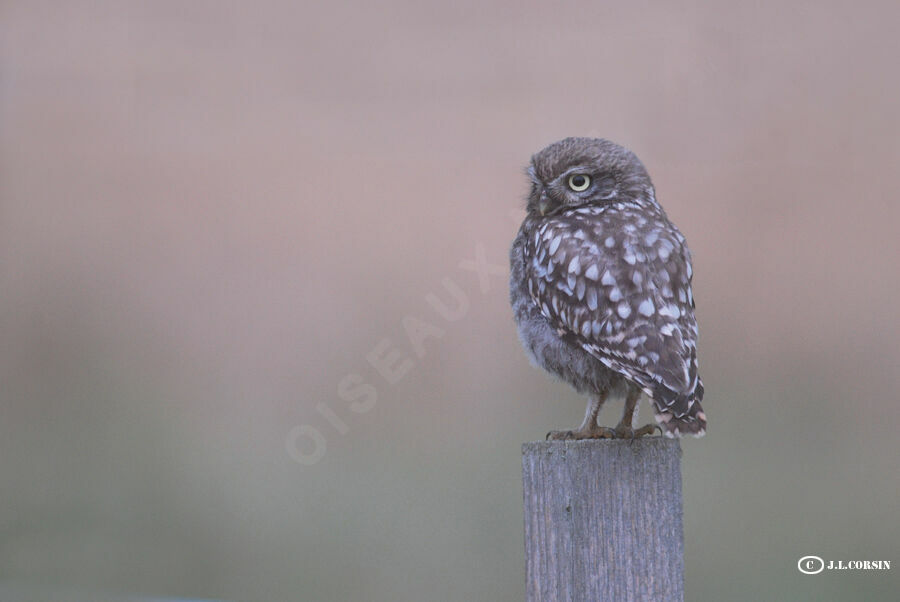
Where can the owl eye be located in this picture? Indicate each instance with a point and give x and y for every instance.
(579, 182)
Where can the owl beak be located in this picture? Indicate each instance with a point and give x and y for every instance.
(544, 203)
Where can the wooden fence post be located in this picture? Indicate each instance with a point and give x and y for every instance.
(603, 520)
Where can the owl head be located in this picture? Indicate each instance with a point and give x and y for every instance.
(575, 172)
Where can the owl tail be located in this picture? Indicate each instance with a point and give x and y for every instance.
(683, 415)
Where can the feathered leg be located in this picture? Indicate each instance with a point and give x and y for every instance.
(589, 428)
(625, 429)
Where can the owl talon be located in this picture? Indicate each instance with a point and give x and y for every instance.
(600, 432)
(623, 431)
(560, 436)
(604, 432)
(646, 430)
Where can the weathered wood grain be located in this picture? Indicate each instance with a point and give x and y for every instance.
(603, 520)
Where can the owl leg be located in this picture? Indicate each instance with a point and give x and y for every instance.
(625, 429)
(588, 428)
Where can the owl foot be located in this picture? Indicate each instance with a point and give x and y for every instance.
(623, 431)
(601, 432)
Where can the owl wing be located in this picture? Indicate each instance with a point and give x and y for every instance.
(623, 294)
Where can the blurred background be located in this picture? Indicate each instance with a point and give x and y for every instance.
(213, 215)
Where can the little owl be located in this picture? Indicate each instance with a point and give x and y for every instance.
(600, 286)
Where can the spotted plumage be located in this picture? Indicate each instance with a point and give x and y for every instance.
(601, 287)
